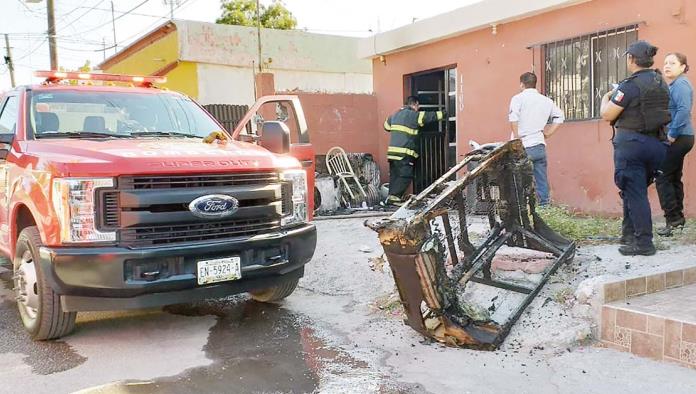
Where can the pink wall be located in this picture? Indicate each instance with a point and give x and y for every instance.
(345, 120)
(333, 119)
(488, 66)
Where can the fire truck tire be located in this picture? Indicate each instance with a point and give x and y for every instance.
(275, 293)
(39, 306)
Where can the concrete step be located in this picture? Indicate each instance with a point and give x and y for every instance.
(660, 325)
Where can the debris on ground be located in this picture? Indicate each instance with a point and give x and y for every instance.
(377, 263)
(437, 268)
(365, 249)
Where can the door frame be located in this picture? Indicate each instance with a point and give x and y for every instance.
(409, 89)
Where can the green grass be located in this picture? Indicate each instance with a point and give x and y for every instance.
(687, 236)
(586, 229)
(581, 228)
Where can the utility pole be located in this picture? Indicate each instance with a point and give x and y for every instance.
(50, 12)
(8, 60)
(171, 3)
(104, 48)
(258, 33)
(113, 26)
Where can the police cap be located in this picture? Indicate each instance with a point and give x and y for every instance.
(641, 49)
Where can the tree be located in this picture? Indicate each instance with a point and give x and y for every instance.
(243, 13)
(85, 68)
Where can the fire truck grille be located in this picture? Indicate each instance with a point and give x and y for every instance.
(172, 234)
(213, 180)
(154, 211)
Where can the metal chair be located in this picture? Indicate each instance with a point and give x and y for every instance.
(339, 166)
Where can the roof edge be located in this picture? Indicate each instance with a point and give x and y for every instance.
(467, 19)
(144, 41)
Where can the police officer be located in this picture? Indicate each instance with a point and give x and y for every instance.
(639, 110)
(404, 126)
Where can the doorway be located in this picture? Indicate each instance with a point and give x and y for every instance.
(437, 142)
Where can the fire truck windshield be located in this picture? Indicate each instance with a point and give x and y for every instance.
(82, 114)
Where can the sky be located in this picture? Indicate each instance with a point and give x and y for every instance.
(84, 27)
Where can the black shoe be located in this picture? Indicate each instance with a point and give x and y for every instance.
(665, 231)
(635, 250)
(628, 239)
(678, 223)
(668, 229)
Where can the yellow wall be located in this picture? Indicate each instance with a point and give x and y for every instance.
(183, 78)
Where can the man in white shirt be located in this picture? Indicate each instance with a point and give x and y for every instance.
(530, 112)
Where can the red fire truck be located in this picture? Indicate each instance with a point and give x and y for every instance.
(115, 197)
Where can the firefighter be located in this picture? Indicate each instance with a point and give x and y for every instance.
(404, 126)
(639, 109)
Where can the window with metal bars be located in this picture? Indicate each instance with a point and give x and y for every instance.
(578, 71)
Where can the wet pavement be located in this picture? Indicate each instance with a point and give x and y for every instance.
(252, 348)
(284, 355)
(44, 358)
(330, 336)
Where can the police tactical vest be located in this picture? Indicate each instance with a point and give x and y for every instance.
(650, 113)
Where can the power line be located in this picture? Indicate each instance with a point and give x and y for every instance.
(151, 26)
(33, 50)
(75, 39)
(101, 49)
(124, 12)
(114, 19)
(33, 12)
(65, 15)
(66, 39)
(83, 14)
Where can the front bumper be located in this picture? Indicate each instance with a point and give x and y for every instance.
(108, 278)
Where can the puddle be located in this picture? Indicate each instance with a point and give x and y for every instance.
(255, 348)
(44, 358)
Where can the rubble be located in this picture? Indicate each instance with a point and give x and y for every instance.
(435, 263)
(365, 249)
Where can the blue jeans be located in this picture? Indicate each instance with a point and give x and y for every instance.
(537, 154)
(637, 157)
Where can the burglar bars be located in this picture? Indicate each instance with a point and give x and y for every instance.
(578, 71)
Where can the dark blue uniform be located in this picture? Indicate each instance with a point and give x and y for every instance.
(637, 157)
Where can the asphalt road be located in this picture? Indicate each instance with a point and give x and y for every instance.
(327, 337)
(232, 345)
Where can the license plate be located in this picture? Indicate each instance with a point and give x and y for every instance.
(219, 270)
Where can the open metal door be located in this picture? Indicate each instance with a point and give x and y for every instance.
(436, 91)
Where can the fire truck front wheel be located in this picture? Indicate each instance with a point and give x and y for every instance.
(275, 293)
(39, 306)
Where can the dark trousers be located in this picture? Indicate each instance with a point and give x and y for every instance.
(400, 176)
(669, 184)
(637, 157)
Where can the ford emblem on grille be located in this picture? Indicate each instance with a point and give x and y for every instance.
(214, 206)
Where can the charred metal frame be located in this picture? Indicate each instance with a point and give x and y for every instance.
(418, 255)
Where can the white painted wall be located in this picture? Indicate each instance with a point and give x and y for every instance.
(237, 46)
(321, 82)
(219, 84)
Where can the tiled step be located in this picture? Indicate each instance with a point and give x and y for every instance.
(660, 325)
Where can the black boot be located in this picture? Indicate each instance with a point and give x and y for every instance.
(635, 250)
(669, 228)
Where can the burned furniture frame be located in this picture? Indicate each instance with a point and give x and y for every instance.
(431, 267)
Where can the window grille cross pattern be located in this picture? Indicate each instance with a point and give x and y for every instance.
(578, 71)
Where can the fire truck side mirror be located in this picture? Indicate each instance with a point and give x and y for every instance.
(5, 145)
(275, 136)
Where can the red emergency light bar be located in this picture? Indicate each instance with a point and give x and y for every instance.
(55, 76)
